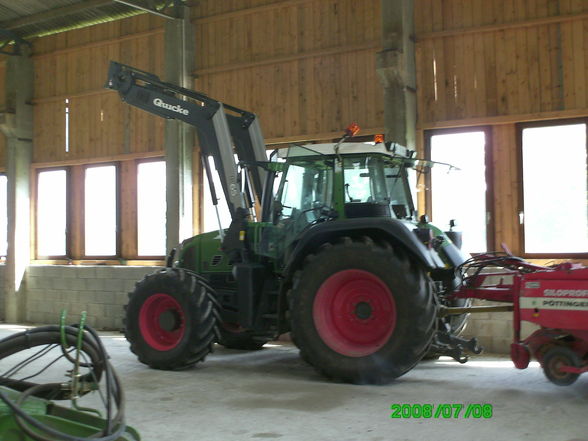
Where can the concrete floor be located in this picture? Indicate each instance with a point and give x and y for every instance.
(272, 394)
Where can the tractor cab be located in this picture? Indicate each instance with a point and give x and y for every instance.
(315, 183)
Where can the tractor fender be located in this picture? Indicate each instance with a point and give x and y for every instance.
(392, 230)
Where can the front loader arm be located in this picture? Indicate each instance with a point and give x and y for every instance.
(217, 130)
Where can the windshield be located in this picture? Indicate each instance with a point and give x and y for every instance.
(376, 181)
(306, 187)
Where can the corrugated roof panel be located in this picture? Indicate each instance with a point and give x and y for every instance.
(97, 12)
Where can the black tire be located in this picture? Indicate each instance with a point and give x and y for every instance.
(239, 339)
(555, 357)
(362, 312)
(171, 319)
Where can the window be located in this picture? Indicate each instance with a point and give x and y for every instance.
(555, 182)
(305, 192)
(461, 194)
(151, 208)
(52, 213)
(3, 215)
(100, 211)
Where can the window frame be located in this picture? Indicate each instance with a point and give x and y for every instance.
(3, 256)
(521, 190)
(68, 214)
(136, 202)
(82, 227)
(488, 175)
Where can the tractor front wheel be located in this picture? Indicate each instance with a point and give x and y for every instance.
(171, 320)
(362, 312)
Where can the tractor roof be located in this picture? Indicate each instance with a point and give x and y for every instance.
(346, 148)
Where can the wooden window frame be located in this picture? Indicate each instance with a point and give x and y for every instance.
(68, 212)
(82, 227)
(489, 175)
(3, 256)
(521, 190)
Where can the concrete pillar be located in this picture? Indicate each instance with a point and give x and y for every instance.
(396, 69)
(17, 125)
(179, 138)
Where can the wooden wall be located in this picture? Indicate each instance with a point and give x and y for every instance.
(485, 58)
(306, 67)
(73, 66)
(497, 63)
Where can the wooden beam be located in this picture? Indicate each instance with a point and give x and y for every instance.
(248, 11)
(96, 44)
(112, 158)
(501, 26)
(371, 45)
(318, 136)
(53, 13)
(503, 119)
(82, 94)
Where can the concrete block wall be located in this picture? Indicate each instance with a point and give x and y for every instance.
(101, 291)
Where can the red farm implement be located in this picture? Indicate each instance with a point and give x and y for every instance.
(554, 298)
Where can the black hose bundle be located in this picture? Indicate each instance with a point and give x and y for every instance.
(91, 355)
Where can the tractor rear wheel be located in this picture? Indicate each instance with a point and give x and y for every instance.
(171, 320)
(362, 312)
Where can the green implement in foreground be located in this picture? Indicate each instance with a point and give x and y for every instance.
(73, 363)
(78, 424)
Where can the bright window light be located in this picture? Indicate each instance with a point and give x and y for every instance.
(555, 189)
(151, 208)
(460, 194)
(210, 221)
(51, 213)
(3, 216)
(100, 211)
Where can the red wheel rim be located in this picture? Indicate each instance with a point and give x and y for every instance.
(162, 322)
(354, 313)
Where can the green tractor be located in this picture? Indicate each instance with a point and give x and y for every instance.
(337, 256)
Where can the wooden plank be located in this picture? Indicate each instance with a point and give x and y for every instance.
(522, 71)
(372, 45)
(441, 80)
(506, 187)
(567, 66)
(254, 10)
(554, 19)
(502, 119)
(128, 208)
(580, 64)
(546, 84)
(479, 92)
(500, 73)
(555, 64)
(585, 27)
(534, 81)
(96, 44)
(97, 160)
(76, 212)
